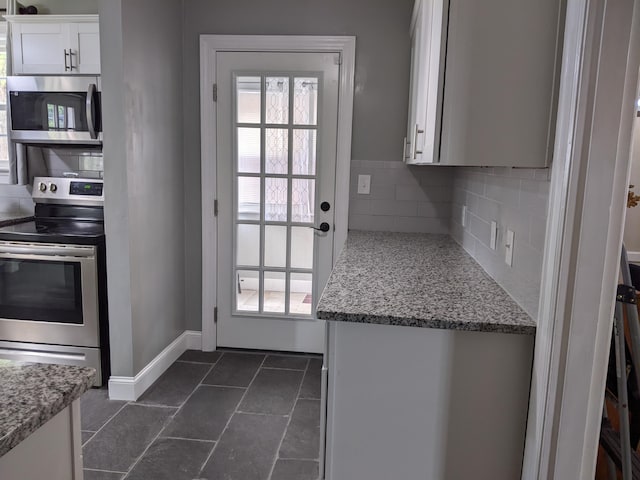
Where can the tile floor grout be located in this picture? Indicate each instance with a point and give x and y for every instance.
(306, 372)
(168, 420)
(232, 414)
(284, 433)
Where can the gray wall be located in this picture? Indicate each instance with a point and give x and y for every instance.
(517, 199)
(143, 146)
(64, 7)
(381, 93)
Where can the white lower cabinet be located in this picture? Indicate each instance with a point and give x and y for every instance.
(55, 44)
(53, 452)
(419, 403)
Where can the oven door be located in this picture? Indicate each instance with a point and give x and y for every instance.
(55, 110)
(49, 294)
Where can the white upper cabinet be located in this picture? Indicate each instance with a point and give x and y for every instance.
(55, 44)
(428, 42)
(490, 97)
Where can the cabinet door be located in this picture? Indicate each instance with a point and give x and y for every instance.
(39, 48)
(84, 43)
(428, 42)
(499, 85)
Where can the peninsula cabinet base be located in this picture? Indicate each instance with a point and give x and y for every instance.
(421, 403)
(53, 452)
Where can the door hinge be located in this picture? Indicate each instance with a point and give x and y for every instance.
(215, 207)
(215, 315)
(215, 92)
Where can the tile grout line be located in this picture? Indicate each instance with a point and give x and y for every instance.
(106, 471)
(133, 465)
(284, 434)
(231, 416)
(104, 425)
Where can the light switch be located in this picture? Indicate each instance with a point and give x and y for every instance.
(364, 184)
(463, 220)
(494, 235)
(509, 245)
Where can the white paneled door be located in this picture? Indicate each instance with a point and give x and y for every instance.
(276, 150)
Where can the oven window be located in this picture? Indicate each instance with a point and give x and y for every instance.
(40, 290)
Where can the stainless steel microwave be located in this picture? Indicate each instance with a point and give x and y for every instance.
(55, 110)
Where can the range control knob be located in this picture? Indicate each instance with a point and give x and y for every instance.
(53, 188)
(42, 187)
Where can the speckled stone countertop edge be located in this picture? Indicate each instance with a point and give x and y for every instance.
(379, 278)
(486, 327)
(7, 222)
(37, 417)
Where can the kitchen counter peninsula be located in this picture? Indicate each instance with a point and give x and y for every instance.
(427, 363)
(39, 420)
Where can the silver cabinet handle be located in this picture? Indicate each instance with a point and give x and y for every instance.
(91, 93)
(404, 150)
(71, 54)
(66, 64)
(414, 145)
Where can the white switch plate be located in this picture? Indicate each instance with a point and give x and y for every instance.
(508, 255)
(364, 184)
(463, 220)
(494, 235)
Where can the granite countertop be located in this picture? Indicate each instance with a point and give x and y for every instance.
(417, 280)
(13, 219)
(33, 393)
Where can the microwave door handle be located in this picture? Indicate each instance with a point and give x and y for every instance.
(91, 93)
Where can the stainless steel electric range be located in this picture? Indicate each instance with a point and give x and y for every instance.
(53, 298)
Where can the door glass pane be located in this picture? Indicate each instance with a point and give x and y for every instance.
(304, 152)
(305, 101)
(247, 288)
(41, 290)
(274, 291)
(248, 150)
(277, 100)
(248, 198)
(300, 299)
(303, 200)
(248, 245)
(248, 98)
(275, 199)
(276, 150)
(275, 246)
(302, 239)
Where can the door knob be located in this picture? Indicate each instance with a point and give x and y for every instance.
(325, 206)
(324, 227)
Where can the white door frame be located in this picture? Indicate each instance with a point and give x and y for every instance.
(587, 206)
(209, 46)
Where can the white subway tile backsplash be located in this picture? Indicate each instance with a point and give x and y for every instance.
(517, 199)
(402, 198)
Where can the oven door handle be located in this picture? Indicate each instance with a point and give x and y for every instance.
(91, 121)
(42, 250)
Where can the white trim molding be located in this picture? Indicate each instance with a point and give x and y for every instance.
(209, 46)
(633, 257)
(584, 236)
(132, 388)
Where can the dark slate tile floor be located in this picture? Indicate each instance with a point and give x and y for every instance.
(213, 415)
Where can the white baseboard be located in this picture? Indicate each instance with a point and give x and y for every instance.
(132, 388)
(633, 257)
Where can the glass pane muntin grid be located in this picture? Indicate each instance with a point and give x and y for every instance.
(272, 271)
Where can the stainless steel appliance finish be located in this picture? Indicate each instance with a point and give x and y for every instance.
(68, 191)
(55, 110)
(53, 305)
(45, 331)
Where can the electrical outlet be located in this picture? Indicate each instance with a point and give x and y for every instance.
(494, 235)
(364, 184)
(463, 220)
(509, 245)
